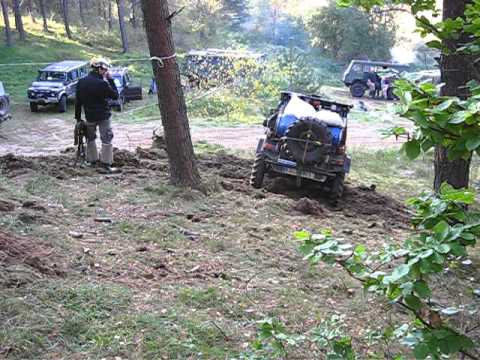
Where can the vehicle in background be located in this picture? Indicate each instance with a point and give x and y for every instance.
(126, 90)
(4, 104)
(358, 73)
(56, 84)
(208, 67)
(305, 138)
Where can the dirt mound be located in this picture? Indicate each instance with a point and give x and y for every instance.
(368, 202)
(23, 260)
(308, 207)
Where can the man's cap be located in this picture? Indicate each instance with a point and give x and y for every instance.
(100, 63)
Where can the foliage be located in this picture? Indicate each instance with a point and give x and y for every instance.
(439, 120)
(443, 231)
(351, 33)
(274, 341)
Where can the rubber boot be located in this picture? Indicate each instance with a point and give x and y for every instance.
(106, 160)
(92, 153)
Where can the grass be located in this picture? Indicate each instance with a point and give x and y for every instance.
(181, 275)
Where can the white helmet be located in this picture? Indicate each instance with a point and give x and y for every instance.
(100, 63)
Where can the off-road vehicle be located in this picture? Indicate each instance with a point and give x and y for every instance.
(305, 138)
(4, 104)
(56, 84)
(356, 75)
(126, 90)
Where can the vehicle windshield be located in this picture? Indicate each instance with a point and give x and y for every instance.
(52, 76)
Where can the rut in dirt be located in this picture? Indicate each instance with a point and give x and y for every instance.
(233, 172)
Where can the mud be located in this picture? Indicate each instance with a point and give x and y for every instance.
(234, 173)
(23, 260)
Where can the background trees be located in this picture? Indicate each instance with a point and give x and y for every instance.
(347, 33)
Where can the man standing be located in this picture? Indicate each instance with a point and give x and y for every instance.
(93, 93)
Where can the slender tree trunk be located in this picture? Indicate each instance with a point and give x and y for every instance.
(81, 11)
(134, 13)
(18, 20)
(30, 10)
(110, 16)
(456, 72)
(65, 18)
(183, 166)
(8, 32)
(44, 15)
(121, 22)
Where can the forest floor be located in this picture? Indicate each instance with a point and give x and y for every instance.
(128, 267)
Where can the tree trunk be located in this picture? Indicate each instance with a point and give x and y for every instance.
(44, 15)
(18, 20)
(182, 161)
(8, 32)
(121, 22)
(81, 11)
(30, 11)
(456, 72)
(134, 13)
(65, 18)
(110, 17)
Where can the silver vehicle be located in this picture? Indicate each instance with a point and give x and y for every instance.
(4, 104)
(56, 84)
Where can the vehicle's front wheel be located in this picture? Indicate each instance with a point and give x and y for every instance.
(258, 171)
(33, 107)
(358, 90)
(62, 104)
(336, 189)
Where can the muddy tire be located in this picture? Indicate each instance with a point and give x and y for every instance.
(358, 90)
(258, 171)
(336, 189)
(33, 107)
(62, 105)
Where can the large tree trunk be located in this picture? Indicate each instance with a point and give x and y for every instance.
(6, 21)
(44, 15)
(121, 22)
(65, 18)
(456, 72)
(183, 166)
(18, 20)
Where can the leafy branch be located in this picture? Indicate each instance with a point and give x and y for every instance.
(443, 231)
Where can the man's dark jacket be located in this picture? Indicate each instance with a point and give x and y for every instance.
(93, 94)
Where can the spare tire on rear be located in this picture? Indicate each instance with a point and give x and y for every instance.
(313, 141)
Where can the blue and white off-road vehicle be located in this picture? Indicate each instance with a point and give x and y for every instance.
(4, 104)
(56, 83)
(305, 138)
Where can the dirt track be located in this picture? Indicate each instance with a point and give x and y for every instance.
(48, 133)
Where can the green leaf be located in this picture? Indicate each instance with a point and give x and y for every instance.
(472, 143)
(413, 302)
(412, 149)
(443, 106)
(441, 230)
(421, 351)
(443, 248)
(422, 289)
(435, 44)
(459, 117)
(398, 273)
